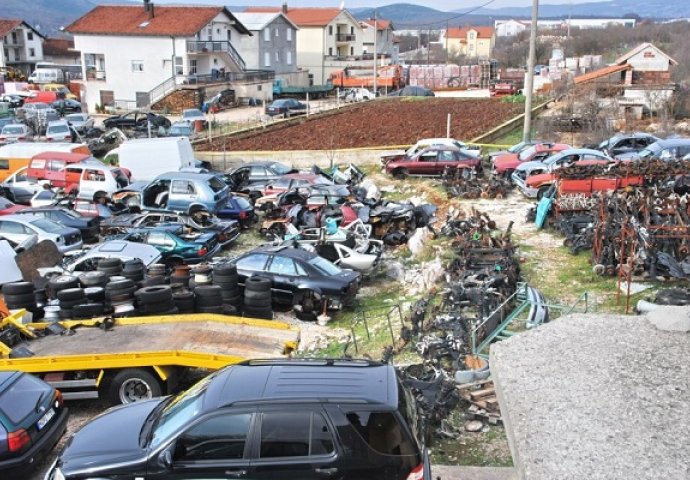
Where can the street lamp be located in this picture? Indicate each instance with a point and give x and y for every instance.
(529, 83)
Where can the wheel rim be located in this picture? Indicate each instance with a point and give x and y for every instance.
(135, 390)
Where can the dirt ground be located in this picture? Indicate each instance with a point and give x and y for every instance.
(391, 122)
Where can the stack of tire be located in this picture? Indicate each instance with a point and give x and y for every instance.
(119, 294)
(110, 266)
(134, 270)
(21, 295)
(180, 277)
(208, 299)
(74, 304)
(225, 276)
(61, 282)
(184, 301)
(155, 300)
(257, 298)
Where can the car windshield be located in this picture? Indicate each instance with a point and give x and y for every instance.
(58, 129)
(652, 150)
(46, 225)
(243, 203)
(216, 184)
(280, 169)
(12, 130)
(527, 153)
(74, 117)
(324, 266)
(182, 130)
(554, 158)
(179, 411)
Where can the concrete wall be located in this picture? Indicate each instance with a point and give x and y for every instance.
(310, 52)
(649, 60)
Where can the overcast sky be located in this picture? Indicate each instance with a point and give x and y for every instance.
(437, 4)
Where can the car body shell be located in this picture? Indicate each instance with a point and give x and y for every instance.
(505, 164)
(174, 248)
(87, 226)
(18, 227)
(286, 107)
(88, 260)
(433, 161)
(669, 149)
(81, 122)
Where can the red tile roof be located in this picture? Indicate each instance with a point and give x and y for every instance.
(58, 46)
(7, 25)
(129, 20)
(461, 32)
(602, 72)
(303, 17)
(380, 24)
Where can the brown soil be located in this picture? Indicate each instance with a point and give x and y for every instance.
(389, 122)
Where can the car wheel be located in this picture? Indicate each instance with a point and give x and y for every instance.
(133, 385)
(401, 173)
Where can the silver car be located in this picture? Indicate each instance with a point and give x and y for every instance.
(15, 132)
(18, 228)
(121, 249)
(58, 131)
(81, 122)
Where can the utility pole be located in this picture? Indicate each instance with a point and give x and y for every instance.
(376, 70)
(447, 52)
(529, 81)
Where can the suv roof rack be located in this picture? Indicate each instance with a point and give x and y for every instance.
(343, 362)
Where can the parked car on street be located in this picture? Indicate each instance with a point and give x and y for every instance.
(33, 418)
(250, 421)
(670, 149)
(87, 226)
(81, 122)
(433, 161)
(59, 131)
(18, 227)
(296, 274)
(533, 179)
(15, 132)
(287, 107)
(507, 163)
(173, 247)
(626, 143)
(181, 129)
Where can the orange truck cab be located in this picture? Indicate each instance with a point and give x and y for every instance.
(50, 166)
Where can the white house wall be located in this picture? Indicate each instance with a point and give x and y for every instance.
(654, 61)
(310, 52)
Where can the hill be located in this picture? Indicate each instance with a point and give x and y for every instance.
(655, 9)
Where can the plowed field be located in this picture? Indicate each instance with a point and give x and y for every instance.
(379, 123)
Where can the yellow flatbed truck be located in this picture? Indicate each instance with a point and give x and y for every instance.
(130, 359)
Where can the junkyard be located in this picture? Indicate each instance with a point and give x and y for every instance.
(414, 284)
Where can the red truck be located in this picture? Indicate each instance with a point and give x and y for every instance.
(506, 163)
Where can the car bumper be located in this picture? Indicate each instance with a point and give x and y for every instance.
(17, 466)
(73, 246)
(526, 190)
(230, 238)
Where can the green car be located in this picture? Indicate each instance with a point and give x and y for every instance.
(175, 247)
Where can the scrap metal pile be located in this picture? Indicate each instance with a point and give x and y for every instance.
(479, 280)
(464, 183)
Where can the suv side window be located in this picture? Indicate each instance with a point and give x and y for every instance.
(294, 434)
(219, 438)
(382, 432)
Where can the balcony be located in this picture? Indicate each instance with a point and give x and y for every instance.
(248, 76)
(345, 37)
(199, 47)
(93, 74)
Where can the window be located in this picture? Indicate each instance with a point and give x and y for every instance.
(137, 65)
(12, 227)
(19, 399)
(277, 57)
(56, 165)
(289, 34)
(382, 432)
(257, 171)
(352, 50)
(428, 157)
(4, 164)
(32, 52)
(330, 51)
(282, 266)
(267, 35)
(192, 66)
(94, 175)
(179, 62)
(330, 29)
(29, 35)
(182, 187)
(161, 239)
(254, 262)
(267, 59)
(446, 156)
(294, 434)
(219, 438)
(288, 58)
(17, 55)
(352, 30)
(276, 33)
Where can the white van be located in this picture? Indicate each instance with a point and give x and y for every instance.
(47, 75)
(147, 158)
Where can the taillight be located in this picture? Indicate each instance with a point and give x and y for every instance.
(417, 473)
(58, 398)
(21, 138)
(49, 139)
(16, 441)
(243, 215)
(202, 251)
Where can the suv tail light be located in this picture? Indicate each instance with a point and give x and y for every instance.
(202, 251)
(17, 440)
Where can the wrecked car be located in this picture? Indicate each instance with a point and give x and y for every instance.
(432, 161)
(175, 247)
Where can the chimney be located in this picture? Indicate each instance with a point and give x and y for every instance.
(146, 5)
(285, 8)
(150, 11)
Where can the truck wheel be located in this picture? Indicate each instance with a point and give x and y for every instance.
(133, 385)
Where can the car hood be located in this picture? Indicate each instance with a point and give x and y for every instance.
(507, 159)
(112, 437)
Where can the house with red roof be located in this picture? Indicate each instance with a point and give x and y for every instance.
(328, 39)
(381, 30)
(21, 45)
(473, 42)
(136, 55)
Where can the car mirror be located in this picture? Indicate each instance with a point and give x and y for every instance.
(165, 459)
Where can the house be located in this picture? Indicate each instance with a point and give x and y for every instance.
(137, 56)
(328, 39)
(386, 41)
(61, 51)
(272, 45)
(21, 45)
(510, 28)
(473, 42)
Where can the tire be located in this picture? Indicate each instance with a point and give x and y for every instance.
(156, 294)
(71, 294)
(258, 284)
(87, 310)
(219, 279)
(205, 291)
(208, 301)
(20, 299)
(155, 308)
(65, 313)
(250, 294)
(109, 263)
(542, 191)
(95, 294)
(133, 385)
(217, 309)
(265, 313)
(18, 288)
(115, 285)
(116, 293)
(401, 173)
(225, 270)
(153, 281)
(93, 279)
(179, 279)
(257, 302)
(62, 282)
(235, 301)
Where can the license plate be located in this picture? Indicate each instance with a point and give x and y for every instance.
(45, 419)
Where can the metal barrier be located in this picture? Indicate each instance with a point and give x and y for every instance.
(361, 321)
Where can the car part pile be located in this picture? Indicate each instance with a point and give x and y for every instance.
(464, 183)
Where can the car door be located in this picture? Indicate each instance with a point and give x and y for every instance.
(285, 278)
(446, 158)
(14, 231)
(425, 164)
(251, 264)
(216, 447)
(161, 241)
(182, 195)
(294, 443)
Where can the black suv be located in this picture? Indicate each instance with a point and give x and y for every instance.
(260, 420)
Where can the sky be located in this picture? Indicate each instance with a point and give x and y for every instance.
(446, 5)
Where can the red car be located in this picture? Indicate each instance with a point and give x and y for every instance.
(432, 161)
(506, 163)
(9, 208)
